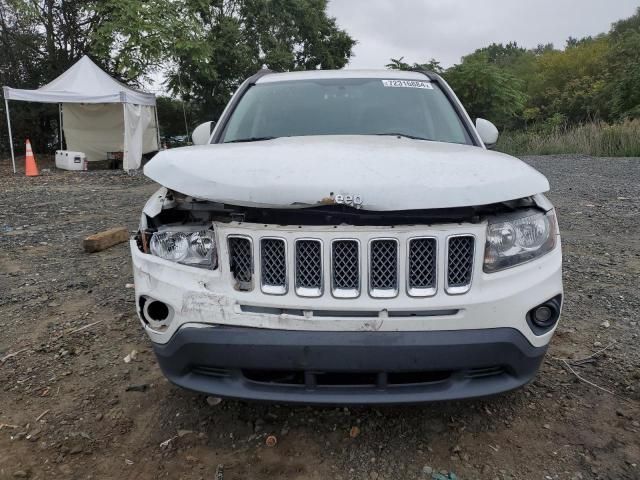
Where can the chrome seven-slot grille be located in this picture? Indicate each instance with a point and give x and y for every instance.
(344, 278)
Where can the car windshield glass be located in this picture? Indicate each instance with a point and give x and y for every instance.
(416, 109)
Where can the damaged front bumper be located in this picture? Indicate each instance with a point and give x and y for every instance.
(276, 348)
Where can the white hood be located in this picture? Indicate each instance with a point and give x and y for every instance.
(388, 173)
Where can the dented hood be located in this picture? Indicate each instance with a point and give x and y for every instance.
(388, 173)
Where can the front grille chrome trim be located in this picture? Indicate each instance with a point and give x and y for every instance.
(245, 276)
(422, 291)
(302, 290)
(376, 292)
(414, 264)
(459, 290)
(266, 287)
(345, 292)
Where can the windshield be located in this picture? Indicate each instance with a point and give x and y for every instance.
(370, 106)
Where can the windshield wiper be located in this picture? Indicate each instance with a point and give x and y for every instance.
(250, 139)
(405, 135)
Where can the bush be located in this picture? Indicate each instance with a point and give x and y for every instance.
(596, 138)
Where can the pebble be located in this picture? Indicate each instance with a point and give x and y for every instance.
(75, 450)
(20, 474)
(213, 401)
(606, 324)
(131, 356)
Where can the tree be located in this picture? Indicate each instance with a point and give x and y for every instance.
(235, 38)
(487, 91)
(431, 66)
(570, 82)
(623, 68)
(137, 38)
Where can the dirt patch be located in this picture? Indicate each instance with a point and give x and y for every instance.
(92, 426)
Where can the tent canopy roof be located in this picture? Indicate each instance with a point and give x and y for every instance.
(84, 82)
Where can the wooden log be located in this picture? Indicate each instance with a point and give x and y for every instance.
(103, 240)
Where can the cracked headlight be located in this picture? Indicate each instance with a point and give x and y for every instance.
(189, 248)
(511, 242)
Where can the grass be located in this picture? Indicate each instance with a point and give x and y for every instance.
(596, 139)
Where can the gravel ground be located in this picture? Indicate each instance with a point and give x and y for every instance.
(66, 411)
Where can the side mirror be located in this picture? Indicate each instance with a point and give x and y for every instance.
(487, 131)
(202, 133)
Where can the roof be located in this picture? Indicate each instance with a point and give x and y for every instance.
(83, 82)
(347, 73)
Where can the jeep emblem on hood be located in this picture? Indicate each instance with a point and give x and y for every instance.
(351, 200)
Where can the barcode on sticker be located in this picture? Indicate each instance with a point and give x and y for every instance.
(407, 84)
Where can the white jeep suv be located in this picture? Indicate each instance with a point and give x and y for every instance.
(346, 237)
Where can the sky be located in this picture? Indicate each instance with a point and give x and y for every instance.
(448, 29)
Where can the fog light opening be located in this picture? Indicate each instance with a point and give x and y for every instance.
(543, 317)
(157, 311)
(157, 314)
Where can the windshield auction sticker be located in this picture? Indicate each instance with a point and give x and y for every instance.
(407, 84)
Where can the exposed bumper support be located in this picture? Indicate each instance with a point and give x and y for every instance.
(348, 367)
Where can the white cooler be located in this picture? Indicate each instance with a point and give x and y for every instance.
(67, 160)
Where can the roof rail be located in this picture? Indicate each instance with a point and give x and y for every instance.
(427, 73)
(260, 73)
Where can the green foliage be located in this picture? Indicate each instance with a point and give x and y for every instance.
(487, 91)
(545, 89)
(135, 38)
(623, 78)
(431, 66)
(232, 39)
(571, 82)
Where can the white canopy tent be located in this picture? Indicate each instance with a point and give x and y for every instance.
(97, 113)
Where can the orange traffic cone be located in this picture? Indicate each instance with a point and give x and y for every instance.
(30, 167)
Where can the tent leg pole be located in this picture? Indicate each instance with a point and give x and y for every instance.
(125, 153)
(13, 158)
(60, 124)
(157, 126)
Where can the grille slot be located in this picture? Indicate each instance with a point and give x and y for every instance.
(241, 261)
(273, 266)
(345, 268)
(383, 268)
(308, 268)
(421, 277)
(460, 263)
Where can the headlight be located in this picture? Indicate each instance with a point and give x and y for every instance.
(190, 248)
(511, 242)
